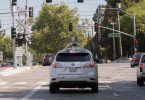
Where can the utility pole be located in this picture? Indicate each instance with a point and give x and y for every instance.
(134, 27)
(93, 47)
(119, 40)
(99, 31)
(114, 48)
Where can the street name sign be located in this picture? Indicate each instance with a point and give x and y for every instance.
(115, 35)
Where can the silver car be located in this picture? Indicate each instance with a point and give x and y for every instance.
(141, 71)
(73, 68)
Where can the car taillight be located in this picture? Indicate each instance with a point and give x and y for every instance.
(54, 65)
(88, 65)
(73, 52)
(92, 64)
(140, 66)
(57, 65)
(136, 58)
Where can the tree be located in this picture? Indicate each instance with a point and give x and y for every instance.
(127, 25)
(50, 31)
(6, 47)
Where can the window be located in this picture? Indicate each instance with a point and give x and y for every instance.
(77, 57)
(143, 59)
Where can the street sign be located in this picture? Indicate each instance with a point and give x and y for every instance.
(20, 23)
(19, 51)
(115, 35)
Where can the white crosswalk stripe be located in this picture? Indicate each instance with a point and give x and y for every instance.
(20, 83)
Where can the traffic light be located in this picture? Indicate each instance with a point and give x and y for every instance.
(70, 26)
(14, 2)
(80, 1)
(136, 44)
(13, 32)
(96, 26)
(30, 11)
(117, 1)
(48, 1)
(19, 42)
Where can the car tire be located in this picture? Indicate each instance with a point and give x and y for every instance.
(95, 88)
(132, 65)
(53, 89)
(140, 82)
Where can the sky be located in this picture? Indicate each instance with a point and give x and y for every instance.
(86, 9)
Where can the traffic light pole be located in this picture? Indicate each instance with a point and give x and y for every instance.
(14, 39)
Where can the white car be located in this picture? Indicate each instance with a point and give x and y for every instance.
(73, 68)
(141, 71)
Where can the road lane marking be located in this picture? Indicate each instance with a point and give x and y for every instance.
(38, 83)
(107, 82)
(63, 98)
(13, 87)
(20, 83)
(115, 94)
(3, 83)
(31, 93)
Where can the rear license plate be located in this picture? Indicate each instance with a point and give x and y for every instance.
(72, 69)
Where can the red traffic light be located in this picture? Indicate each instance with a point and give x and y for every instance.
(70, 26)
(136, 41)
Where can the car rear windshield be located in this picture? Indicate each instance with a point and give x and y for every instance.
(138, 55)
(73, 57)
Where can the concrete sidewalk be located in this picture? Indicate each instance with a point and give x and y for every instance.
(10, 71)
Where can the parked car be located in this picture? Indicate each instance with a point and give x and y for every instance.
(141, 71)
(73, 68)
(6, 65)
(135, 59)
(47, 59)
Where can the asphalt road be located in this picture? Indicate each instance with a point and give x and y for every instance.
(116, 82)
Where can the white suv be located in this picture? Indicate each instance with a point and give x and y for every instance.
(73, 68)
(141, 71)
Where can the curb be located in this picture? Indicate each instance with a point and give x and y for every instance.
(12, 71)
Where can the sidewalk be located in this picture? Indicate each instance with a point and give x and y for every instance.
(10, 71)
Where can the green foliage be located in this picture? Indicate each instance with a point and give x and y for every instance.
(50, 31)
(134, 7)
(6, 47)
(127, 24)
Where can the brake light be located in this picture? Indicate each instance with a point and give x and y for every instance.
(73, 53)
(136, 58)
(92, 78)
(140, 66)
(57, 65)
(54, 65)
(53, 79)
(92, 64)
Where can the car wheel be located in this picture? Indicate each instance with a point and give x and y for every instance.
(95, 88)
(140, 82)
(53, 89)
(132, 65)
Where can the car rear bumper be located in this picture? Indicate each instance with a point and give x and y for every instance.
(74, 84)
